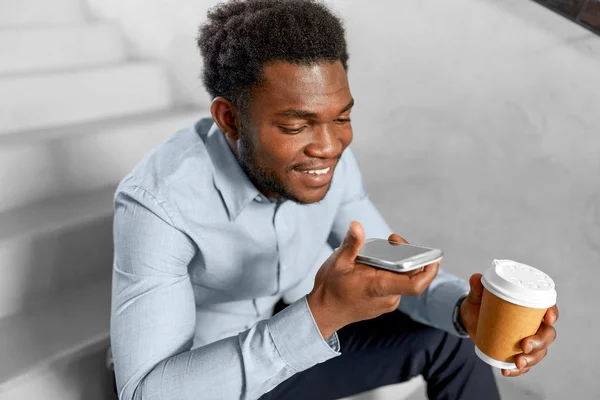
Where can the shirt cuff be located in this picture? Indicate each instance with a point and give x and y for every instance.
(443, 301)
(298, 339)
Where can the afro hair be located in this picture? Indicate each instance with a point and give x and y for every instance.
(241, 36)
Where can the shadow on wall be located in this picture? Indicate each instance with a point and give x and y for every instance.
(549, 22)
(592, 221)
(584, 12)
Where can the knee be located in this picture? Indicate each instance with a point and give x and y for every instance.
(447, 351)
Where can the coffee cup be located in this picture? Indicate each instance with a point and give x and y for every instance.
(515, 299)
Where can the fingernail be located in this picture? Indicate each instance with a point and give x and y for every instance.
(552, 318)
(522, 363)
(505, 372)
(528, 348)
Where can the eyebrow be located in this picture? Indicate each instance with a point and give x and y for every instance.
(309, 114)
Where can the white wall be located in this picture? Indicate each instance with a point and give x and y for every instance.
(478, 54)
(467, 52)
(163, 31)
(484, 119)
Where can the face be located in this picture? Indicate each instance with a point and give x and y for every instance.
(297, 127)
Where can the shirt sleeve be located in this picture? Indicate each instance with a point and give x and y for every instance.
(153, 320)
(435, 306)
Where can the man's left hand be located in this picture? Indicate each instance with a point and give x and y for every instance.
(534, 347)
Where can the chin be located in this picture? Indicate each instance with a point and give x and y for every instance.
(310, 196)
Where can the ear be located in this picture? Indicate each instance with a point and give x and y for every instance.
(226, 116)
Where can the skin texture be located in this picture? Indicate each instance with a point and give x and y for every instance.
(299, 119)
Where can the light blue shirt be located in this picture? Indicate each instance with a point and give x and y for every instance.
(201, 258)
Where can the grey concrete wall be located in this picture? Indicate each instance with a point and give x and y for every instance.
(477, 128)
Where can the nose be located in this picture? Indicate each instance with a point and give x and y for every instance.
(325, 142)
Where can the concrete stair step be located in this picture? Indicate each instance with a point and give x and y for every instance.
(81, 376)
(39, 12)
(45, 163)
(54, 48)
(400, 391)
(33, 101)
(42, 351)
(54, 246)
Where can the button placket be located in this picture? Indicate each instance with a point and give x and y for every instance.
(283, 231)
(286, 220)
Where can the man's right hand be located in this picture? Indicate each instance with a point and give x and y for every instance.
(347, 292)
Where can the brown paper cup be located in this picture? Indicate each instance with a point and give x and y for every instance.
(515, 299)
(503, 325)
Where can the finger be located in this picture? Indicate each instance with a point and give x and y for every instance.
(395, 239)
(515, 372)
(355, 237)
(391, 283)
(476, 291)
(544, 337)
(413, 272)
(551, 315)
(529, 360)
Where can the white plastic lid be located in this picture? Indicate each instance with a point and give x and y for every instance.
(519, 284)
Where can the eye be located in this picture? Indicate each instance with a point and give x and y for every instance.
(342, 121)
(292, 131)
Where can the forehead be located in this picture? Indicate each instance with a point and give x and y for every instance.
(315, 87)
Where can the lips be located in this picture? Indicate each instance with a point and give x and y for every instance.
(316, 167)
(316, 171)
(315, 176)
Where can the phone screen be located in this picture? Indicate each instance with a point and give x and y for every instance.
(383, 250)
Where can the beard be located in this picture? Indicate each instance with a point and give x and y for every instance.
(264, 178)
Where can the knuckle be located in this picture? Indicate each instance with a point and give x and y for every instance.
(394, 301)
(389, 304)
(554, 334)
(375, 289)
(419, 288)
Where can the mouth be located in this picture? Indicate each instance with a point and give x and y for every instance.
(315, 177)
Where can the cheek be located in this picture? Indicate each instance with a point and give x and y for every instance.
(347, 137)
(278, 151)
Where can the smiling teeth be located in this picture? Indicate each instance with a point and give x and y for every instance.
(317, 171)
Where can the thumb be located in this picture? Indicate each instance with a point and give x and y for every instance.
(476, 291)
(355, 237)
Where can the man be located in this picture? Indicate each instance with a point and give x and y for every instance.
(231, 214)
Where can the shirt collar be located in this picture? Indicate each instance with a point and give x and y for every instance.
(231, 181)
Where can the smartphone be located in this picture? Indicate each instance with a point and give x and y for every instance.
(397, 257)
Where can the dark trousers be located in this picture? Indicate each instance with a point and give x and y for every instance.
(392, 349)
